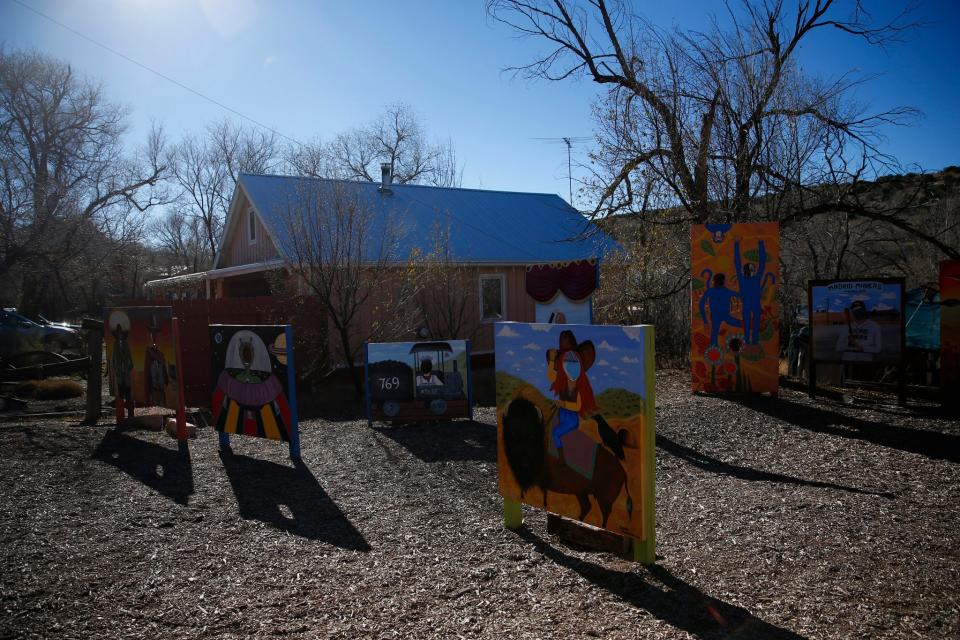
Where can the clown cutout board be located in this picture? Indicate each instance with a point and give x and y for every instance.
(254, 390)
(575, 425)
(142, 357)
(735, 314)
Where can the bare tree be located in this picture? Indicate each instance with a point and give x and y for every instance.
(723, 117)
(723, 125)
(181, 237)
(349, 258)
(447, 170)
(311, 158)
(447, 296)
(206, 169)
(395, 137)
(64, 178)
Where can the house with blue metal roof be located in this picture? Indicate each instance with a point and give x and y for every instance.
(503, 236)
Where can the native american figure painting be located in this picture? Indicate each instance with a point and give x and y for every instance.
(141, 356)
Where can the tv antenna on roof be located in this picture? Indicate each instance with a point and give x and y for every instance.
(569, 141)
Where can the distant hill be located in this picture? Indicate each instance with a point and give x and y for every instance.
(925, 190)
(507, 386)
(613, 403)
(620, 403)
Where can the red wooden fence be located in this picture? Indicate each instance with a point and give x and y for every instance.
(195, 316)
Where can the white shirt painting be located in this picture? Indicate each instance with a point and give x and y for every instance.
(861, 342)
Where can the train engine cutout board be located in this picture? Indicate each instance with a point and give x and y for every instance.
(418, 381)
(575, 425)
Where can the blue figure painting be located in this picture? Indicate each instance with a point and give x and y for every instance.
(718, 298)
(751, 280)
(735, 341)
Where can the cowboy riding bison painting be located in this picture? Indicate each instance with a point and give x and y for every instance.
(573, 421)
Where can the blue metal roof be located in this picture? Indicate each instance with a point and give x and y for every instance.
(492, 227)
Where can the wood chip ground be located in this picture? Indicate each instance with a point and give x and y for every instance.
(777, 518)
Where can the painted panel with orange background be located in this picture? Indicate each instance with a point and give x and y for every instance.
(735, 315)
(141, 355)
(950, 329)
(590, 387)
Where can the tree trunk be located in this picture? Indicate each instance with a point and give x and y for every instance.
(348, 359)
(94, 329)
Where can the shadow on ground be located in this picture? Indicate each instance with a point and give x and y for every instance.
(453, 441)
(674, 601)
(713, 465)
(50, 444)
(822, 419)
(166, 471)
(263, 488)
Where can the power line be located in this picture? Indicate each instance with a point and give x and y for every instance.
(157, 73)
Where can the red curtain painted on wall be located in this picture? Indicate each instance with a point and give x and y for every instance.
(577, 280)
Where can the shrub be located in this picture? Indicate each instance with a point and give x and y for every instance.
(26, 389)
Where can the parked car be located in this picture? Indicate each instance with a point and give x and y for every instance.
(19, 333)
(41, 320)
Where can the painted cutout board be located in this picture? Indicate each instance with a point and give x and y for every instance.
(950, 329)
(142, 356)
(857, 321)
(254, 388)
(418, 381)
(735, 326)
(575, 422)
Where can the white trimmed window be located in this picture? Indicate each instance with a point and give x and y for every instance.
(251, 227)
(492, 298)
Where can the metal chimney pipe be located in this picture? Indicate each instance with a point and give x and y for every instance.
(386, 177)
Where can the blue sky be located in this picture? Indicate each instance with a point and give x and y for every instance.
(522, 352)
(876, 296)
(316, 68)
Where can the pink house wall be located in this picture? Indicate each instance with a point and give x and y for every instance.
(238, 249)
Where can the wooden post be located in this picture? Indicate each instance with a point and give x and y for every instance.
(181, 398)
(902, 368)
(902, 384)
(94, 329)
(512, 514)
(292, 397)
(811, 362)
(644, 551)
